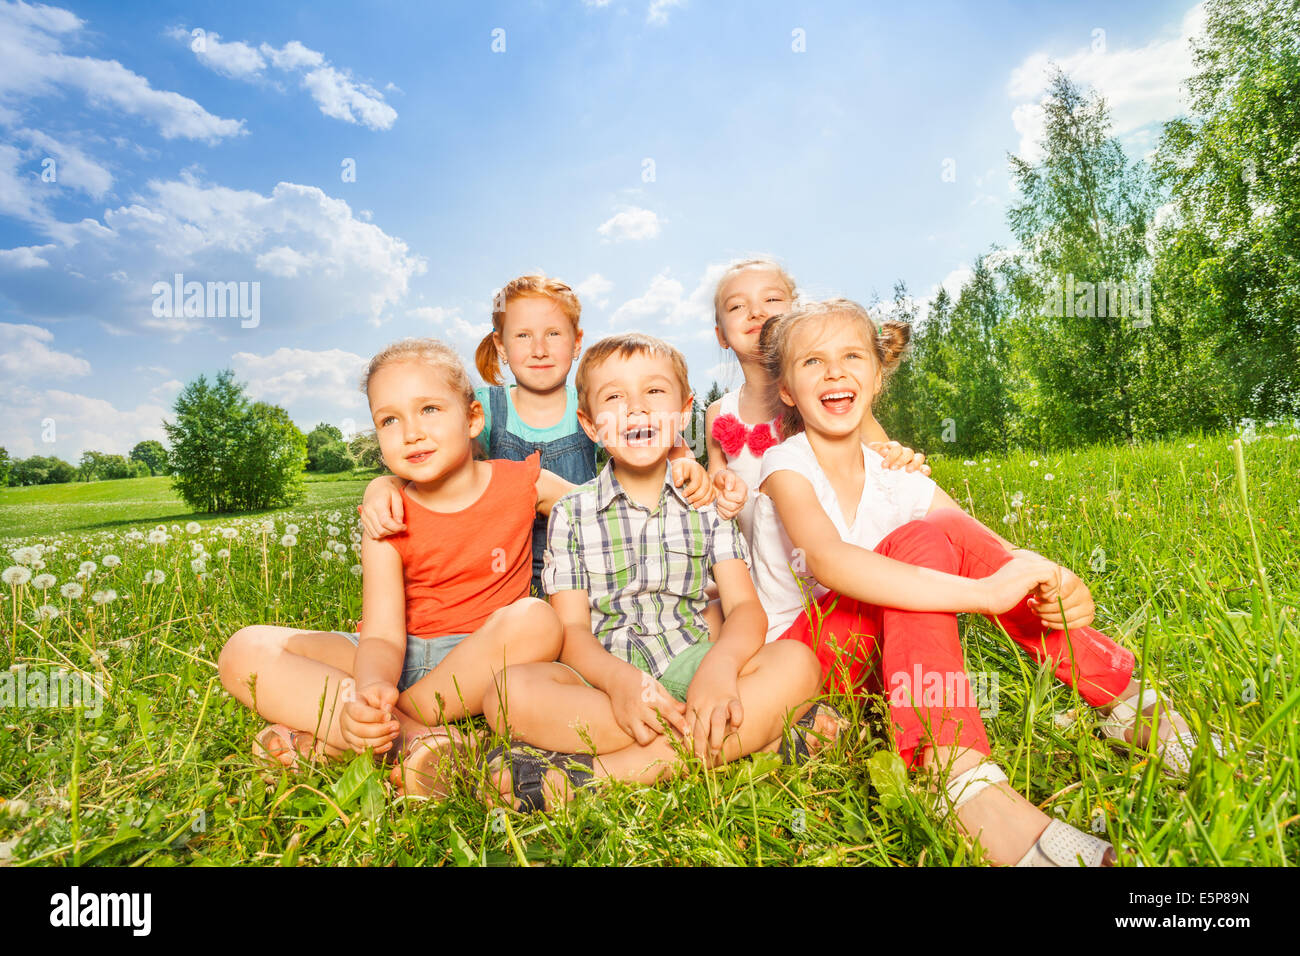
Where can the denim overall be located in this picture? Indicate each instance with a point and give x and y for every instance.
(572, 457)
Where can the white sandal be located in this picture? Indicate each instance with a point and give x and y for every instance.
(1058, 845)
(1174, 752)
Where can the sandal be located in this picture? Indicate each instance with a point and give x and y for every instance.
(428, 770)
(529, 767)
(794, 742)
(1174, 752)
(1058, 845)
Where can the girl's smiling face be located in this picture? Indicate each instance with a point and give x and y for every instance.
(423, 427)
(750, 298)
(832, 375)
(538, 342)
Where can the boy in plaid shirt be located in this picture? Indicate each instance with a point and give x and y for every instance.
(627, 566)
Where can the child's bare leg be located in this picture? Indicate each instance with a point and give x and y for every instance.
(291, 672)
(524, 632)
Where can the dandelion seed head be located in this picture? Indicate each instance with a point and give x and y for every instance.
(16, 575)
(72, 591)
(289, 540)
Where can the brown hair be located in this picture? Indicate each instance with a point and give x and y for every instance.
(739, 266)
(431, 352)
(889, 345)
(625, 345)
(537, 286)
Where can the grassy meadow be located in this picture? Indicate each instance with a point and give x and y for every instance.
(126, 587)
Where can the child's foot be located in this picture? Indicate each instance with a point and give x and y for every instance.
(281, 746)
(428, 763)
(526, 778)
(812, 733)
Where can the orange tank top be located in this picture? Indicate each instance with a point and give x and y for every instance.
(458, 567)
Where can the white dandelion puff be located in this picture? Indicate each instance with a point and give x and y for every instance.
(43, 582)
(198, 565)
(223, 553)
(154, 577)
(291, 529)
(16, 575)
(356, 570)
(106, 596)
(111, 560)
(87, 568)
(289, 540)
(1034, 463)
(72, 591)
(157, 537)
(1049, 477)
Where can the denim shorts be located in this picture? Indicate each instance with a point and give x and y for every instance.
(423, 654)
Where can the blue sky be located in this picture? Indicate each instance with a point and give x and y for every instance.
(629, 147)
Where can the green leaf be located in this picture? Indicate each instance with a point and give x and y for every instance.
(889, 777)
(352, 786)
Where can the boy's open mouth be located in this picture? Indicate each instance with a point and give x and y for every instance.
(839, 402)
(640, 436)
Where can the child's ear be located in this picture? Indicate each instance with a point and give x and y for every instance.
(588, 425)
(577, 343)
(722, 339)
(476, 419)
(786, 397)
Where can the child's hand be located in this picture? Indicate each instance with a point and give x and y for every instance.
(1066, 607)
(900, 456)
(638, 700)
(381, 508)
(367, 718)
(731, 493)
(692, 478)
(713, 708)
(1007, 586)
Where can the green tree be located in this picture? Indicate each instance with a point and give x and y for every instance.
(364, 449)
(321, 436)
(1083, 217)
(38, 470)
(98, 466)
(1229, 262)
(6, 467)
(229, 454)
(153, 454)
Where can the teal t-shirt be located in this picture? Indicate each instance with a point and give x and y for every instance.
(517, 426)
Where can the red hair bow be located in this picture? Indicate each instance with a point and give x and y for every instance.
(733, 435)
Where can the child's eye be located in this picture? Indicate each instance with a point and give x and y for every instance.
(555, 333)
(810, 360)
(390, 418)
(428, 408)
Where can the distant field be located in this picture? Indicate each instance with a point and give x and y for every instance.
(98, 505)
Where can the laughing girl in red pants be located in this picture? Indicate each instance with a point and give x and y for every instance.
(889, 559)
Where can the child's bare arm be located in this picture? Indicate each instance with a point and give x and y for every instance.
(550, 489)
(367, 721)
(713, 708)
(716, 459)
(381, 507)
(636, 697)
(1067, 606)
(876, 579)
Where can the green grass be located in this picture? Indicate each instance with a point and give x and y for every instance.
(131, 502)
(163, 776)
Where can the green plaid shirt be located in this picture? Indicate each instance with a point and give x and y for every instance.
(646, 588)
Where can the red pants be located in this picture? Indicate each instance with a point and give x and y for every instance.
(915, 656)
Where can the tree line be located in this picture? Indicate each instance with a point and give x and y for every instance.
(1142, 299)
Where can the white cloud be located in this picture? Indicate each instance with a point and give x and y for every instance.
(335, 91)
(24, 257)
(657, 12)
(340, 97)
(454, 328)
(314, 260)
(81, 423)
(631, 223)
(72, 167)
(295, 376)
(1141, 85)
(33, 66)
(594, 290)
(25, 353)
(666, 307)
(235, 59)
